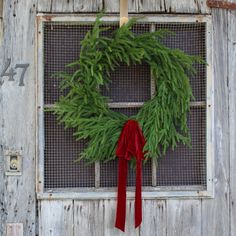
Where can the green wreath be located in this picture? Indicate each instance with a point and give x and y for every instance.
(163, 119)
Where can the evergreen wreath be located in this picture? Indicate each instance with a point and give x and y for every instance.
(163, 119)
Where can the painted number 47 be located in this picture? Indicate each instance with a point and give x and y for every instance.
(10, 72)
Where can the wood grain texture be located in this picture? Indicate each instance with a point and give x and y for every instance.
(114, 6)
(154, 218)
(232, 115)
(89, 218)
(183, 218)
(109, 219)
(186, 6)
(44, 5)
(17, 116)
(62, 5)
(14, 229)
(88, 5)
(165, 6)
(215, 212)
(1, 8)
(56, 218)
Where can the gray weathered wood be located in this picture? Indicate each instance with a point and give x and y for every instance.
(109, 219)
(44, 5)
(186, 6)
(114, 6)
(17, 116)
(183, 218)
(152, 6)
(232, 115)
(1, 8)
(14, 229)
(154, 218)
(215, 213)
(166, 6)
(56, 218)
(62, 5)
(89, 218)
(88, 5)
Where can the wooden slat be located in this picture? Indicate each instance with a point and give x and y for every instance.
(114, 6)
(215, 212)
(232, 115)
(56, 218)
(184, 218)
(44, 5)
(14, 229)
(62, 5)
(134, 104)
(17, 115)
(1, 8)
(154, 218)
(89, 218)
(88, 5)
(109, 219)
(174, 6)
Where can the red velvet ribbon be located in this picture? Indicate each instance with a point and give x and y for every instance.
(130, 144)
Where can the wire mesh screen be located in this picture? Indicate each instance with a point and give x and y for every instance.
(185, 166)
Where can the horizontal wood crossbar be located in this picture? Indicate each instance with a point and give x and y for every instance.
(221, 4)
(134, 104)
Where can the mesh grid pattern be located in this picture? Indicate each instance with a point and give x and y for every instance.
(61, 149)
(184, 166)
(191, 39)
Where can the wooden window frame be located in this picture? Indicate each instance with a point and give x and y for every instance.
(108, 193)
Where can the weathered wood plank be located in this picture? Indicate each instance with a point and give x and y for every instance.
(44, 5)
(183, 218)
(14, 229)
(88, 5)
(114, 6)
(62, 5)
(89, 218)
(232, 115)
(167, 6)
(17, 119)
(186, 6)
(154, 218)
(215, 212)
(152, 6)
(109, 219)
(1, 8)
(56, 218)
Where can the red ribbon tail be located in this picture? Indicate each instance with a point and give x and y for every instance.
(138, 194)
(121, 201)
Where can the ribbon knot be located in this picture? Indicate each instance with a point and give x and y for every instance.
(130, 144)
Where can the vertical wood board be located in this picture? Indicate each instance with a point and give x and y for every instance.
(88, 5)
(17, 115)
(114, 6)
(89, 218)
(62, 5)
(154, 218)
(109, 219)
(56, 218)
(183, 217)
(215, 212)
(232, 115)
(44, 6)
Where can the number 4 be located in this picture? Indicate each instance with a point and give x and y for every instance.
(11, 72)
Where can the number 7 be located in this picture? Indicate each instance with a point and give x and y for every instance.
(24, 67)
